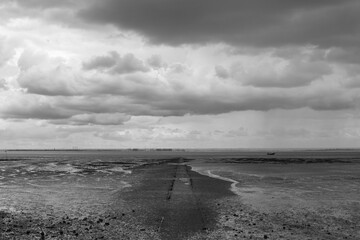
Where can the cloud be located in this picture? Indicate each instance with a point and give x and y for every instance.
(341, 55)
(179, 68)
(253, 23)
(353, 81)
(281, 132)
(29, 59)
(337, 55)
(286, 74)
(2, 84)
(221, 72)
(281, 68)
(95, 119)
(45, 3)
(177, 89)
(17, 105)
(159, 133)
(102, 62)
(51, 82)
(169, 103)
(114, 136)
(129, 63)
(156, 62)
(200, 73)
(240, 132)
(88, 93)
(6, 50)
(32, 132)
(53, 12)
(98, 104)
(114, 63)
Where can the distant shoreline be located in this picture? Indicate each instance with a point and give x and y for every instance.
(181, 149)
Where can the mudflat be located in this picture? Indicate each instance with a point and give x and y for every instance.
(156, 199)
(196, 195)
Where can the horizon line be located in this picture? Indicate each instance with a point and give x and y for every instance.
(175, 149)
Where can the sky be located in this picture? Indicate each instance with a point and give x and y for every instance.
(179, 74)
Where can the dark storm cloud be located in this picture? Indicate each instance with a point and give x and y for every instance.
(255, 23)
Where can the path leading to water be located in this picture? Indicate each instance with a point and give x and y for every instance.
(172, 199)
(184, 212)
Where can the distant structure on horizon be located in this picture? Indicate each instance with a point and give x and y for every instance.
(156, 149)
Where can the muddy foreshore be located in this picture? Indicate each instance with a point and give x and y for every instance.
(167, 200)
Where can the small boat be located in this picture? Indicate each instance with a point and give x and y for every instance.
(270, 153)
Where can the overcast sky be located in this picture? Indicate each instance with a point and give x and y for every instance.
(179, 73)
